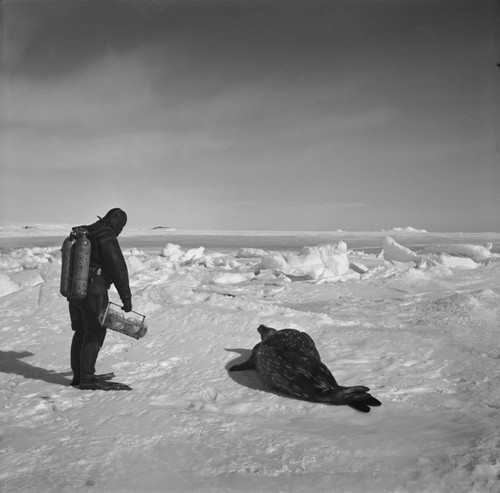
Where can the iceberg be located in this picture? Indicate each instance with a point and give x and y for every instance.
(394, 252)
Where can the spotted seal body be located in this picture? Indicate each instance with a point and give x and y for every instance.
(288, 360)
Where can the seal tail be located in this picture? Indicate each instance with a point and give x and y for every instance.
(356, 397)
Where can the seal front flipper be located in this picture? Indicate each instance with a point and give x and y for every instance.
(246, 365)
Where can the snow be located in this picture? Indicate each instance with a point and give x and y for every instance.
(418, 325)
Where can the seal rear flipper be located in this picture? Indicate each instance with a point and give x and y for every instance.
(364, 404)
(372, 401)
(356, 397)
(360, 406)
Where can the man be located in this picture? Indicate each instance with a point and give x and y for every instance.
(107, 266)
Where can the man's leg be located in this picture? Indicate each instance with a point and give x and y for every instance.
(76, 346)
(76, 343)
(91, 345)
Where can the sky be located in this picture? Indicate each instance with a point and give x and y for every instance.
(358, 115)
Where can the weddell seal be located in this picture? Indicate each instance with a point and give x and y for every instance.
(287, 360)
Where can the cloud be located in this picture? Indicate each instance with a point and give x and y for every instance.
(17, 29)
(103, 115)
(129, 110)
(106, 92)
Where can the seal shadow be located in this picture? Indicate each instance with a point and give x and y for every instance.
(250, 378)
(10, 362)
(247, 378)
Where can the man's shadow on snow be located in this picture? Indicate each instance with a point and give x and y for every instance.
(10, 362)
(247, 378)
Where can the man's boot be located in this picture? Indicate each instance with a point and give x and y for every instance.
(88, 381)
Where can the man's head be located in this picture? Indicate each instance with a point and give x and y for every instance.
(115, 219)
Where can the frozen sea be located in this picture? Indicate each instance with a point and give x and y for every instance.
(225, 241)
(415, 318)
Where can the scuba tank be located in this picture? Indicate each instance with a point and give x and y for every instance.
(75, 258)
(67, 252)
(81, 266)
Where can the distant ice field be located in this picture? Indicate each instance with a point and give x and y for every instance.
(369, 242)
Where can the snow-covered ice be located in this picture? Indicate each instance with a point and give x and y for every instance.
(418, 324)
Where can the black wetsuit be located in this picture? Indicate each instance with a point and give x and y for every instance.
(107, 266)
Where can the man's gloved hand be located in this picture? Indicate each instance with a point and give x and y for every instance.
(127, 305)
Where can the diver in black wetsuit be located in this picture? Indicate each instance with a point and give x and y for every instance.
(107, 266)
